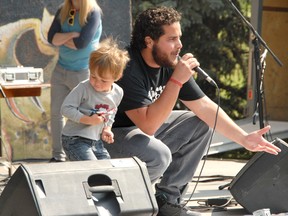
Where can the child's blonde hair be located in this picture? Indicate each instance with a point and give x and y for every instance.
(108, 58)
(85, 8)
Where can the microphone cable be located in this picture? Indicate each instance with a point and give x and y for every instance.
(209, 144)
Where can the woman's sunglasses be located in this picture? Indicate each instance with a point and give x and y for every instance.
(72, 13)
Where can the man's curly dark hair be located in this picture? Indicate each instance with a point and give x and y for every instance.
(150, 23)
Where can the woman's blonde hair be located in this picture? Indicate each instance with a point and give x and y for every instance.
(108, 58)
(86, 6)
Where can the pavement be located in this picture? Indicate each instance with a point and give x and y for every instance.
(206, 188)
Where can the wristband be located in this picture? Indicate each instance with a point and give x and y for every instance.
(176, 82)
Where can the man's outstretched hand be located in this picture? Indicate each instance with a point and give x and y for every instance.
(255, 142)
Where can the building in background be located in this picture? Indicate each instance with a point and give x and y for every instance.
(270, 19)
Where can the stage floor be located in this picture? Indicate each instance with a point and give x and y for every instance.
(215, 173)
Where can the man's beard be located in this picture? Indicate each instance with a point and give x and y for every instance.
(161, 59)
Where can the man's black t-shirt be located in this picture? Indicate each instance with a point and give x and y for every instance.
(142, 85)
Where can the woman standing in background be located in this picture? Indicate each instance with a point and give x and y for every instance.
(76, 30)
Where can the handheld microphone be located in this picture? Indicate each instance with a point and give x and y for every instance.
(205, 75)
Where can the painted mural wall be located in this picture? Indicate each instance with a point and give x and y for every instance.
(25, 121)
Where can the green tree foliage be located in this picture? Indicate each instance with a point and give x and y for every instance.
(217, 36)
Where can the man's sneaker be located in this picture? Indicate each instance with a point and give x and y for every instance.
(52, 160)
(169, 209)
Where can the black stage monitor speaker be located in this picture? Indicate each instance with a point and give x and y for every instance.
(104, 188)
(263, 181)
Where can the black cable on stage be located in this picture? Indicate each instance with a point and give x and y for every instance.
(209, 145)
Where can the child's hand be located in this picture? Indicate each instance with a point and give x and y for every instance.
(97, 119)
(93, 119)
(107, 135)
